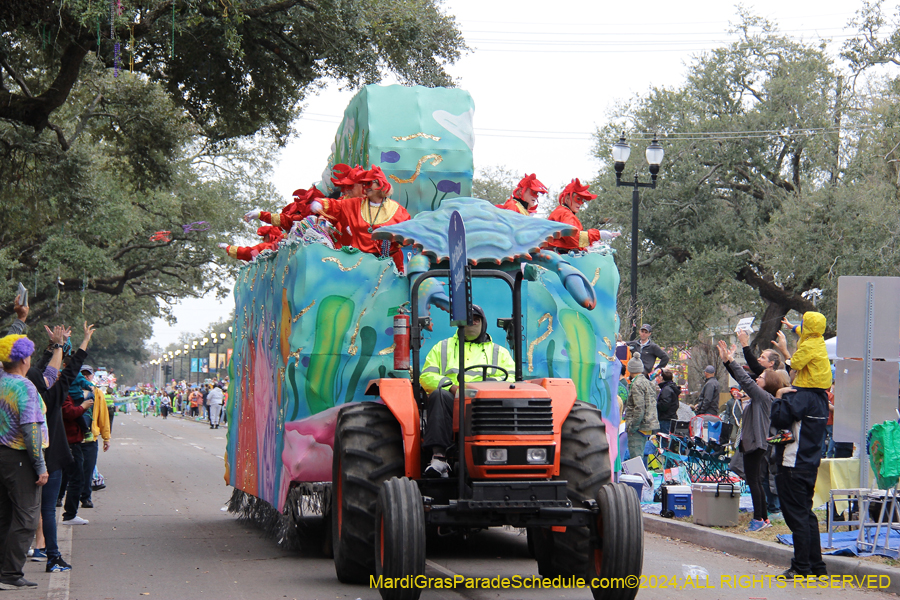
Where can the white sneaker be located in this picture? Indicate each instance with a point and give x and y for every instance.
(75, 521)
(437, 469)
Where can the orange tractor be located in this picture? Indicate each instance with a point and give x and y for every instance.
(528, 454)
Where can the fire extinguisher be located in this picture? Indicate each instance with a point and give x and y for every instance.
(401, 342)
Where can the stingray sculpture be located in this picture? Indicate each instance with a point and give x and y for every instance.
(494, 237)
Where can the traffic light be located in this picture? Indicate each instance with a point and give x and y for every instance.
(168, 370)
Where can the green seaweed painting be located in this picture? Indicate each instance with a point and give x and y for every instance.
(332, 322)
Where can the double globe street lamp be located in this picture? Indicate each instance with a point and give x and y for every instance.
(654, 154)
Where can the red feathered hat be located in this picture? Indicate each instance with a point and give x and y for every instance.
(529, 182)
(312, 193)
(576, 189)
(376, 174)
(270, 232)
(349, 179)
(339, 172)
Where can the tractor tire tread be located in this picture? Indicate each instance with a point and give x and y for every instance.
(366, 434)
(584, 464)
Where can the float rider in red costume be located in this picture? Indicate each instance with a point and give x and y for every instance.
(346, 180)
(524, 199)
(358, 218)
(571, 200)
(290, 214)
(270, 233)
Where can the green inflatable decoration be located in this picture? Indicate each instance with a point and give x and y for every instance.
(884, 453)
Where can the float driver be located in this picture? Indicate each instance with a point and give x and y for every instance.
(439, 380)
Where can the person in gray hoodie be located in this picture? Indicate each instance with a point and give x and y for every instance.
(755, 424)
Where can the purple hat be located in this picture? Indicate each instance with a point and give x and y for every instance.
(14, 348)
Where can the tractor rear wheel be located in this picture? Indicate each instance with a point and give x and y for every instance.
(619, 552)
(368, 450)
(399, 536)
(584, 464)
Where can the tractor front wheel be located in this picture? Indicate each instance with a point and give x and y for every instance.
(584, 464)
(399, 536)
(619, 549)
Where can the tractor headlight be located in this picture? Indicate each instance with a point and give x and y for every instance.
(496, 456)
(536, 455)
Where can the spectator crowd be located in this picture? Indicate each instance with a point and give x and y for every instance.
(783, 404)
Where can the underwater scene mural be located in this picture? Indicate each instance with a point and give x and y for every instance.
(422, 138)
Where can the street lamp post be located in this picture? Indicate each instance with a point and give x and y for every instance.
(203, 343)
(620, 151)
(193, 347)
(216, 340)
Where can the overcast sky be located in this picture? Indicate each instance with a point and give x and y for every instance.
(543, 76)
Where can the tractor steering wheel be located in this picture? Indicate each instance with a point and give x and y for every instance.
(484, 370)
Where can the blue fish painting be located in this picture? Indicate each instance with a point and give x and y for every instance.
(447, 186)
(390, 157)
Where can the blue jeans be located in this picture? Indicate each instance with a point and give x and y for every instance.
(49, 494)
(74, 483)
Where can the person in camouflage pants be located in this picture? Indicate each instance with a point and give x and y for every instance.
(640, 409)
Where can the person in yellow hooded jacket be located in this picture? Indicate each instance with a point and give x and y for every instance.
(810, 361)
(801, 413)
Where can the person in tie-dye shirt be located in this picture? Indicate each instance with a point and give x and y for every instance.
(23, 435)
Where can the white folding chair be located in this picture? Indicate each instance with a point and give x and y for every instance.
(888, 499)
(848, 496)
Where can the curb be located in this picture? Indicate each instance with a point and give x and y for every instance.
(768, 552)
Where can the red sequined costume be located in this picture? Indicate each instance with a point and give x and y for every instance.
(518, 203)
(347, 180)
(295, 211)
(570, 200)
(358, 219)
(272, 236)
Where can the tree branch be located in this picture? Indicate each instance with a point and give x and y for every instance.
(278, 7)
(86, 114)
(35, 111)
(772, 292)
(60, 135)
(15, 77)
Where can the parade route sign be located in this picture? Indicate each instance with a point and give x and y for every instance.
(866, 372)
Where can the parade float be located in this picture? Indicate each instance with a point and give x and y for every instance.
(315, 325)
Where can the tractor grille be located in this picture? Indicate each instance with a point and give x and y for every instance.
(508, 416)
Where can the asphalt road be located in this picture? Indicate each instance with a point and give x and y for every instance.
(158, 531)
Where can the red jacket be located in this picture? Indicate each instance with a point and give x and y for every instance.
(71, 415)
(579, 241)
(516, 206)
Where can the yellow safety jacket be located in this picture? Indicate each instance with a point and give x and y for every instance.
(442, 363)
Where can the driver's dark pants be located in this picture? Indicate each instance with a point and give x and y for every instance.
(439, 425)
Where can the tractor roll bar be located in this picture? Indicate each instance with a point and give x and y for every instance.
(515, 286)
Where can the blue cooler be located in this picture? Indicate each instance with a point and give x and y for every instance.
(676, 500)
(636, 482)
